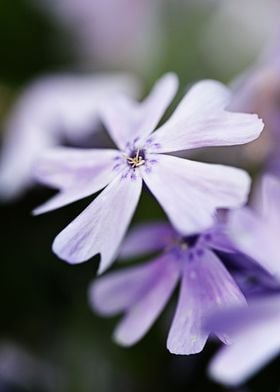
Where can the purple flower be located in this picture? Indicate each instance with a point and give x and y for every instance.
(141, 292)
(188, 191)
(46, 114)
(256, 340)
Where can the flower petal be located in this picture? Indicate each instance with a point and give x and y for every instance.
(76, 172)
(190, 192)
(206, 285)
(270, 199)
(200, 121)
(155, 105)
(217, 238)
(256, 341)
(101, 227)
(20, 151)
(256, 238)
(127, 120)
(147, 238)
(118, 291)
(157, 289)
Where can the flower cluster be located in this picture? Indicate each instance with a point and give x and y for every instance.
(221, 253)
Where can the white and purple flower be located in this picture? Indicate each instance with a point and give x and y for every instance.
(189, 191)
(141, 292)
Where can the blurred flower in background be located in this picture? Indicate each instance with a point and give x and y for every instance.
(237, 31)
(257, 90)
(122, 34)
(54, 110)
(22, 371)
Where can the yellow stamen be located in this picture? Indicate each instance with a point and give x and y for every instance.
(136, 161)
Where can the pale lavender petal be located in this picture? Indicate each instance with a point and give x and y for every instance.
(128, 120)
(156, 104)
(190, 192)
(254, 348)
(101, 227)
(206, 285)
(146, 238)
(20, 151)
(77, 173)
(253, 236)
(120, 116)
(143, 313)
(118, 291)
(256, 341)
(200, 121)
(270, 195)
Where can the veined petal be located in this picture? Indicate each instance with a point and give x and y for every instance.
(164, 274)
(155, 105)
(100, 228)
(189, 192)
(118, 291)
(256, 340)
(146, 238)
(128, 120)
(77, 173)
(206, 285)
(255, 237)
(200, 121)
(120, 116)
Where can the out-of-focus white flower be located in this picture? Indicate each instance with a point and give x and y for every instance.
(237, 31)
(51, 110)
(257, 90)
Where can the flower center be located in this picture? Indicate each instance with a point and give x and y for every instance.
(136, 158)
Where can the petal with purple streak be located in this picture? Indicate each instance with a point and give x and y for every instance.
(127, 120)
(200, 121)
(101, 227)
(157, 288)
(190, 192)
(77, 173)
(206, 285)
(146, 238)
